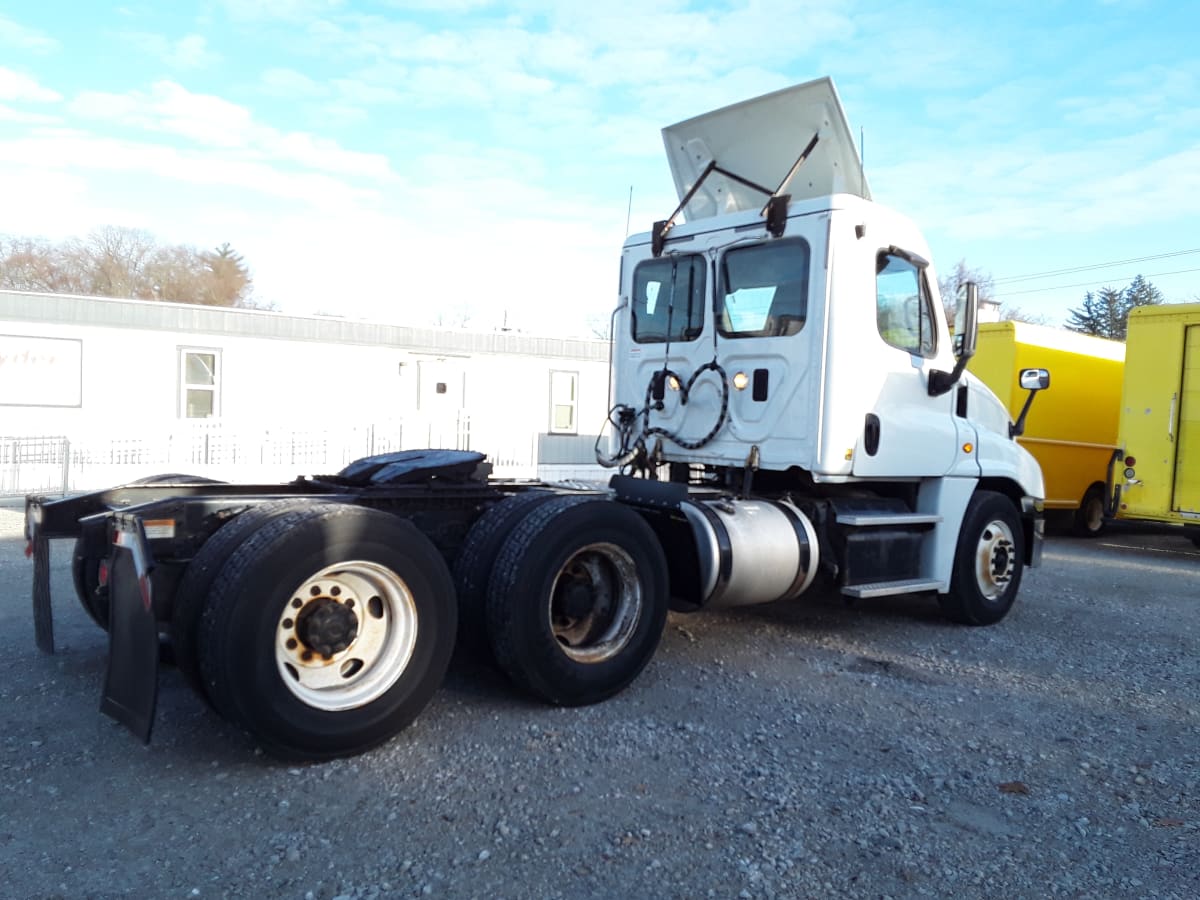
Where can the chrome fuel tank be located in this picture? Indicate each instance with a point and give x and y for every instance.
(751, 551)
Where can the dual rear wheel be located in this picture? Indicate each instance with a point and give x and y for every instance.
(323, 629)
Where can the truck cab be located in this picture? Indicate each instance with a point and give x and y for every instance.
(787, 340)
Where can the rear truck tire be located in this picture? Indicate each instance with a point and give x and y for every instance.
(577, 600)
(1089, 518)
(85, 570)
(200, 573)
(85, 573)
(473, 566)
(327, 631)
(988, 562)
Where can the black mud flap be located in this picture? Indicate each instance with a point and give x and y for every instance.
(131, 683)
(43, 616)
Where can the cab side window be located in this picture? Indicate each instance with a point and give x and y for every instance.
(903, 306)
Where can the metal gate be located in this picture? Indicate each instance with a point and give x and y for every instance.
(34, 465)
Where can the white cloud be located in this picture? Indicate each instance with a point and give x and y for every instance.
(13, 34)
(21, 117)
(284, 82)
(189, 52)
(72, 151)
(211, 121)
(20, 88)
(192, 51)
(283, 10)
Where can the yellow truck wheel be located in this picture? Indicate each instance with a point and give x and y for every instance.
(1089, 518)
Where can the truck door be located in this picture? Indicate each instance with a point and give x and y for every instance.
(1186, 496)
(906, 432)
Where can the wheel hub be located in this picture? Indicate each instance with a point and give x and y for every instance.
(997, 560)
(575, 600)
(326, 626)
(595, 603)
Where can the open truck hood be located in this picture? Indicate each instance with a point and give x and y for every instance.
(759, 140)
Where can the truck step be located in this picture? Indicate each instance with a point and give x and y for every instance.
(887, 588)
(888, 518)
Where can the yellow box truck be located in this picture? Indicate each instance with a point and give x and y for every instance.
(1072, 428)
(1157, 469)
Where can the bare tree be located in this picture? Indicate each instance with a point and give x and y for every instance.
(1016, 314)
(127, 262)
(948, 286)
(29, 264)
(118, 259)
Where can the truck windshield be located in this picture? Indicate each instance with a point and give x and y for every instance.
(765, 289)
(668, 290)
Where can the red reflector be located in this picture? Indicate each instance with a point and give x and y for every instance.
(102, 573)
(1130, 461)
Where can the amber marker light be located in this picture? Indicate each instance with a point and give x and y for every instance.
(967, 448)
(740, 380)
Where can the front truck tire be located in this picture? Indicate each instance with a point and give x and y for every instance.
(988, 562)
(1089, 518)
(577, 600)
(327, 631)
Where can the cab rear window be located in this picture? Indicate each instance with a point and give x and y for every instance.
(668, 300)
(764, 289)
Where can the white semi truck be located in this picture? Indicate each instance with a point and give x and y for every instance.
(789, 415)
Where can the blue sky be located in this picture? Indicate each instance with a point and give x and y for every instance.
(467, 161)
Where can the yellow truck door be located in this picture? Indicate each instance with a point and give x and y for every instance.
(1187, 454)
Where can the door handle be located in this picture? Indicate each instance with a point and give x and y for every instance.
(1171, 419)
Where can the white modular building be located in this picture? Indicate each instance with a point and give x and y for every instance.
(96, 390)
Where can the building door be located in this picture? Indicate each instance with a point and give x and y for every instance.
(1187, 448)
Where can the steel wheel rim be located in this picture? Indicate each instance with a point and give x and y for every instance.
(995, 559)
(595, 603)
(1094, 515)
(363, 605)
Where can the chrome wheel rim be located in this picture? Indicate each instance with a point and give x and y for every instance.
(346, 635)
(995, 559)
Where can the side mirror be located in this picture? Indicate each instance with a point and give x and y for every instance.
(966, 320)
(1032, 380)
(966, 335)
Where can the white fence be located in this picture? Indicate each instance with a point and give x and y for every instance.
(257, 452)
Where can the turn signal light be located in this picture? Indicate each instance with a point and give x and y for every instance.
(741, 380)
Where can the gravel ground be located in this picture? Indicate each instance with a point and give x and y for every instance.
(813, 750)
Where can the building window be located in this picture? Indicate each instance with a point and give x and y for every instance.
(199, 383)
(903, 306)
(564, 402)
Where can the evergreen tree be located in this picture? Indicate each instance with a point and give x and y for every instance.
(1106, 313)
(1142, 293)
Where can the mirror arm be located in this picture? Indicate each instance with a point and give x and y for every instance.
(940, 382)
(1017, 428)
